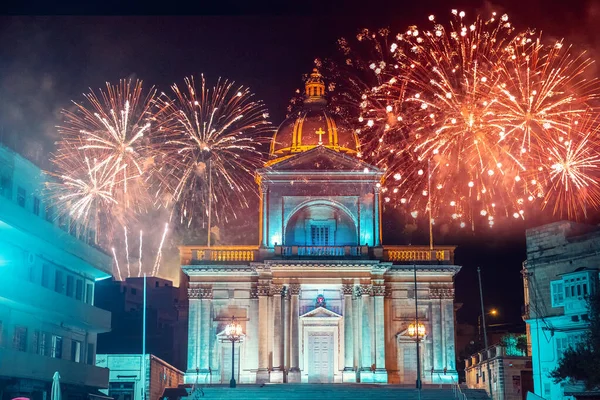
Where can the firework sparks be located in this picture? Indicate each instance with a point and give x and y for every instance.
(210, 135)
(458, 111)
(569, 169)
(112, 128)
(159, 252)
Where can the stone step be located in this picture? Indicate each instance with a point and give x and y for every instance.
(476, 394)
(321, 391)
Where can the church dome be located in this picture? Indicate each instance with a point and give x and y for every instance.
(312, 126)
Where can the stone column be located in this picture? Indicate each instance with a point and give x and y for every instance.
(193, 361)
(376, 218)
(366, 375)
(264, 190)
(436, 331)
(277, 372)
(348, 375)
(262, 374)
(286, 331)
(294, 374)
(206, 295)
(448, 318)
(252, 337)
(379, 328)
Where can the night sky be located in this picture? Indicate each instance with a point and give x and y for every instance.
(47, 61)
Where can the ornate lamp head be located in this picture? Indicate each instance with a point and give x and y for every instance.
(233, 330)
(413, 330)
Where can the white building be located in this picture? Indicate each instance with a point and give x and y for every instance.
(48, 321)
(560, 271)
(127, 380)
(320, 299)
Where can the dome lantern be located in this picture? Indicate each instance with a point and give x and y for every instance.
(315, 88)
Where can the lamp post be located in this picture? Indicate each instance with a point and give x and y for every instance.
(417, 331)
(493, 312)
(234, 333)
(485, 333)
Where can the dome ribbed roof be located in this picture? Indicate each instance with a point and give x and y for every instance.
(312, 126)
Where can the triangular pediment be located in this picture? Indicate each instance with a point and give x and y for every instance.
(321, 159)
(321, 312)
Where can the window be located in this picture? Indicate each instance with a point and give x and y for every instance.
(58, 281)
(319, 235)
(20, 338)
(6, 186)
(41, 343)
(70, 281)
(57, 343)
(89, 293)
(557, 293)
(45, 275)
(21, 196)
(76, 351)
(79, 290)
(90, 353)
(36, 205)
(561, 346)
(133, 291)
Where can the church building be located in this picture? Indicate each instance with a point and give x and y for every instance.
(320, 298)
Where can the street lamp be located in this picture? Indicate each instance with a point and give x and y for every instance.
(417, 331)
(234, 333)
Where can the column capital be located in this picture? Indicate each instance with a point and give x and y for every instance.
(263, 289)
(378, 290)
(200, 292)
(254, 293)
(441, 293)
(294, 289)
(365, 289)
(276, 290)
(348, 289)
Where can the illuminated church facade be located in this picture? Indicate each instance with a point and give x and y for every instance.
(320, 298)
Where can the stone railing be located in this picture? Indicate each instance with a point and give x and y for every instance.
(321, 251)
(418, 254)
(192, 254)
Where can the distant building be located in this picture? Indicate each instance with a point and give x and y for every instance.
(509, 369)
(166, 318)
(127, 372)
(560, 271)
(48, 319)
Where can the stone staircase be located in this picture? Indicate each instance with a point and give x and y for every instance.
(332, 392)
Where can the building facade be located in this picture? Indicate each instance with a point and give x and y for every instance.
(127, 380)
(560, 272)
(509, 369)
(166, 318)
(48, 320)
(320, 299)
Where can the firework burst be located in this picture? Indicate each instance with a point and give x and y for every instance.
(113, 127)
(210, 139)
(454, 117)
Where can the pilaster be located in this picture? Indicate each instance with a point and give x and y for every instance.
(294, 373)
(277, 371)
(193, 361)
(378, 292)
(366, 373)
(262, 374)
(348, 374)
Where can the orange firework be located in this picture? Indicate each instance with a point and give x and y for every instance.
(455, 117)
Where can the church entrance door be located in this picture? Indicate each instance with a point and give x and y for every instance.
(320, 357)
(226, 362)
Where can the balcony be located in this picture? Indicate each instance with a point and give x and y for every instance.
(191, 255)
(34, 366)
(49, 305)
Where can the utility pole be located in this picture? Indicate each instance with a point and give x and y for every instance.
(417, 332)
(485, 342)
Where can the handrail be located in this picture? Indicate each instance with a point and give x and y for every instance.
(456, 390)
